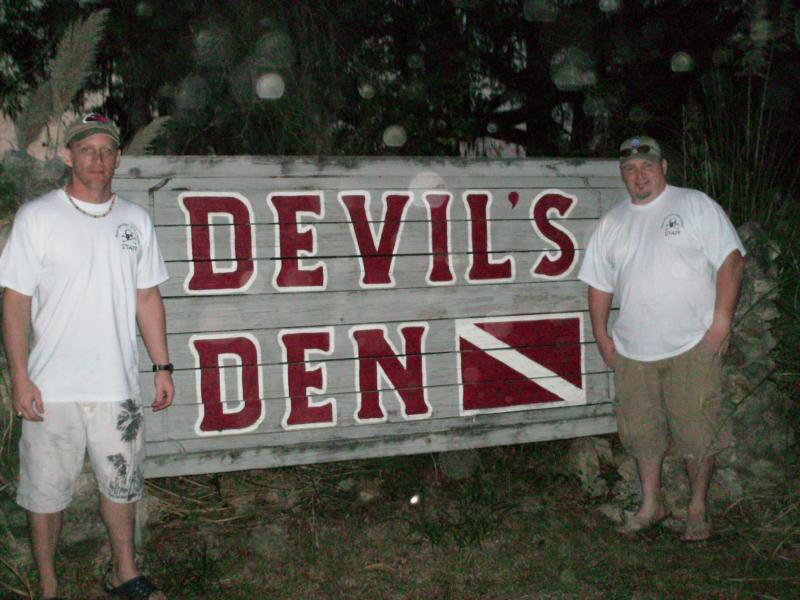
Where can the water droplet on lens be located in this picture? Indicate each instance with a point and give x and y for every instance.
(425, 181)
(394, 136)
(143, 9)
(760, 30)
(213, 47)
(273, 50)
(681, 62)
(572, 68)
(609, 6)
(270, 86)
(540, 11)
(366, 91)
(568, 79)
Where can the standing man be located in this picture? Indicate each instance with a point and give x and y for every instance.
(674, 262)
(80, 269)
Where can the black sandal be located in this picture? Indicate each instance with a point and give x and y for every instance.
(138, 588)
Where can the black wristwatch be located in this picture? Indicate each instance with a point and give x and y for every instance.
(166, 367)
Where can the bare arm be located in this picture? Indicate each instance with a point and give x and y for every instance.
(599, 310)
(729, 283)
(152, 321)
(25, 396)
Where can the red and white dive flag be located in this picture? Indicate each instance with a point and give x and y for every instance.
(520, 362)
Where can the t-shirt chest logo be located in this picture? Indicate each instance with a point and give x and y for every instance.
(672, 225)
(128, 237)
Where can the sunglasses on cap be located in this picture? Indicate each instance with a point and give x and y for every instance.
(94, 118)
(643, 149)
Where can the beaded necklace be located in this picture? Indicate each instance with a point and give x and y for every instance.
(87, 213)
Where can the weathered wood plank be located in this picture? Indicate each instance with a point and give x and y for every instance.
(440, 370)
(344, 274)
(440, 339)
(357, 433)
(190, 315)
(183, 419)
(336, 239)
(154, 167)
(168, 210)
(257, 187)
(176, 461)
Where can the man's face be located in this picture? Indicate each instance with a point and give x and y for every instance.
(93, 161)
(645, 178)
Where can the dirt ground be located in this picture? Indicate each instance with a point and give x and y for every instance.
(516, 528)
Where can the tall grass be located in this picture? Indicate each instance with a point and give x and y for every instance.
(737, 148)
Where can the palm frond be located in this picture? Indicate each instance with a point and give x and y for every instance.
(73, 62)
(35, 116)
(75, 58)
(144, 138)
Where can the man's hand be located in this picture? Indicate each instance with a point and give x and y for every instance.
(165, 390)
(607, 350)
(729, 282)
(27, 400)
(717, 338)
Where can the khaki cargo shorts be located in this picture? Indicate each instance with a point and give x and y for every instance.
(52, 452)
(677, 400)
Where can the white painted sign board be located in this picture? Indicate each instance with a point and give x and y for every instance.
(343, 308)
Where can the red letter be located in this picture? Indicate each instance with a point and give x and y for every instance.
(216, 415)
(440, 271)
(376, 259)
(408, 381)
(205, 277)
(292, 239)
(480, 241)
(553, 265)
(301, 412)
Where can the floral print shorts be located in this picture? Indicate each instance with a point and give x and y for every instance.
(52, 452)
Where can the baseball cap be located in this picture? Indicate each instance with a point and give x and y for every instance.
(640, 146)
(90, 124)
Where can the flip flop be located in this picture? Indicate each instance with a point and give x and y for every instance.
(634, 524)
(138, 588)
(697, 532)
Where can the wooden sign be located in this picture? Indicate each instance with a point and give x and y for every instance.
(348, 308)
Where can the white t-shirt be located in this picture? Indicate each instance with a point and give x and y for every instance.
(82, 274)
(660, 260)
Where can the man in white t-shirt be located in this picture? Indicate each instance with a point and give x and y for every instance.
(674, 262)
(80, 269)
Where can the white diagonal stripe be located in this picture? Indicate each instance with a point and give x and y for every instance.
(549, 380)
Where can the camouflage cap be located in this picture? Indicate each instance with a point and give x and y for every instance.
(90, 124)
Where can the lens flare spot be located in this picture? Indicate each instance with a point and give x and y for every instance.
(540, 11)
(681, 62)
(394, 136)
(366, 91)
(270, 86)
(609, 6)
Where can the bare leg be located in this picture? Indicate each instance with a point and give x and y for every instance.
(699, 479)
(45, 530)
(119, 519)
(650, 477)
